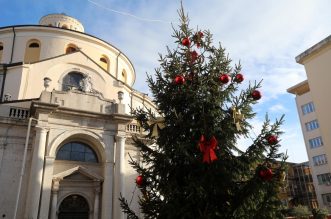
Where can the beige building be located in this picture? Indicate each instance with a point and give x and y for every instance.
(65, 123)
(314, 107)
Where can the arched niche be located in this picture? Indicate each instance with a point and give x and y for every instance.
(32, 51)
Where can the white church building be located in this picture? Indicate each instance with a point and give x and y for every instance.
(65, 123)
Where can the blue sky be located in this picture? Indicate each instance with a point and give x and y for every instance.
(264, 35)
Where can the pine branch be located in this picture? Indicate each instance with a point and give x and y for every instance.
(126, 209)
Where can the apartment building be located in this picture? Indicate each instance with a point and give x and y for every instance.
(314, 107)
(300, 186)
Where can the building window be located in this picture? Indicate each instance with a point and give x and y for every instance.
(326, 198)
(73, 206)
(104, 63)
(324, 178)
(320, 160)
(124, 76)
(32, 51)
(34, 45)
(315, 142)
(1, 50)
(73, 81)
(77, 151)
(71, 48)
(308, 108)
(312, 125)
(64, 26)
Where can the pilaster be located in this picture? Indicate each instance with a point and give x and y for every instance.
(36, 174)
(119, 174)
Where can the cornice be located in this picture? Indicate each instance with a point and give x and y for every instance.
(313, 50)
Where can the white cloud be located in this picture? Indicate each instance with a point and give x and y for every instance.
(279, 108)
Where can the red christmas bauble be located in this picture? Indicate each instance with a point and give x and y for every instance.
(200, 34)
(179, 80)
(266, 174)
(194, 56)
(139, 180)
(256, 95)
(224, 78)
(186, 42)
(239, 78)
(272, 139)
(197, 38)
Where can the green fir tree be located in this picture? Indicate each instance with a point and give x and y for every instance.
(193, 168)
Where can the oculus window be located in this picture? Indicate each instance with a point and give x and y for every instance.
(72, 81)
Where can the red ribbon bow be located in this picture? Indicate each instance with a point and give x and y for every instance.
(207, 148)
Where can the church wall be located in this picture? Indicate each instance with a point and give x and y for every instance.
(6, 37)
(15, 78)
(12, 141)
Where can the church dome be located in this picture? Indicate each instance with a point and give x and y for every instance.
(63, 21)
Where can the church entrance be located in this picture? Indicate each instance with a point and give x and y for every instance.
(74, 207)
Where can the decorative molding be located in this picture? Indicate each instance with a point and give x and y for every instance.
(78, 169)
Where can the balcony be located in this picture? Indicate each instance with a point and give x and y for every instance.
(133, 128)
(19, 110)
(19, 113)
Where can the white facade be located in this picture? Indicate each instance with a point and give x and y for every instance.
(313, 104)
(69, 84)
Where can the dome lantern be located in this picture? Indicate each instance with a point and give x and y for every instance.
(62, 21)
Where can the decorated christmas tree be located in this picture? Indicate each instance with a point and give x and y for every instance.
(191, 165)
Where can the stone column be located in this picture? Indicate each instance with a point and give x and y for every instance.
(47, 185)
(55, 190)
(36, 173)
(96, 204)
(119, 173)
(107, 186)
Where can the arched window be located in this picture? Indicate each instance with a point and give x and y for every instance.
(1, 51)
(124, 76)
(71, 48)
(104, 62)
(64, 26)
(73, 81)
(34, 45)
(32, 51)
(77, 151)
(74, 206)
